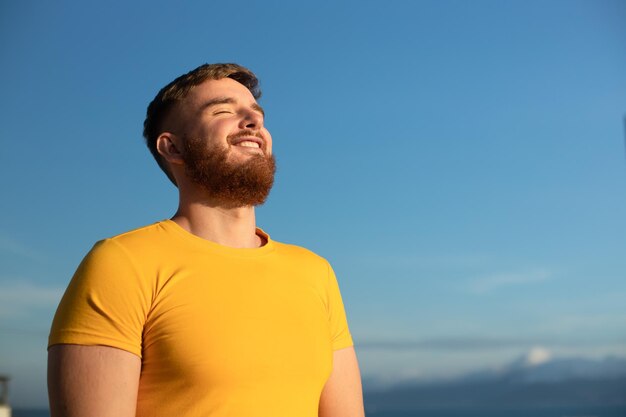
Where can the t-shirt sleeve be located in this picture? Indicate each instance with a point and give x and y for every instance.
(340, 333)
(106, 302)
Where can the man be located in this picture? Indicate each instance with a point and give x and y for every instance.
(204, 314)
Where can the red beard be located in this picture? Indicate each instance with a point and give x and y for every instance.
(232, 184)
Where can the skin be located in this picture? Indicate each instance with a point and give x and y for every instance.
(342, 395)
(83, 380)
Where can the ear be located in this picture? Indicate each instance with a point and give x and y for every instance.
(168, 145)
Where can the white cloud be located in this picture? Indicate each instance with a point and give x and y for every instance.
(594, 325)
(19, 298)
(13, 247)
(537, 355)
(491, 283)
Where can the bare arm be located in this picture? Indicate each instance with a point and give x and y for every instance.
(94, 381)
(342, 395)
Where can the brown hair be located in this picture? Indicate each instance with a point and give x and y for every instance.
(176, 91)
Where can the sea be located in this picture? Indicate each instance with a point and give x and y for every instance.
(604, 411)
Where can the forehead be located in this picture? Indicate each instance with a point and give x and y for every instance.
(222, 88)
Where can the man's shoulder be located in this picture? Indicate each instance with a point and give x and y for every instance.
(150, 234)
(141, 233)
(299, 252)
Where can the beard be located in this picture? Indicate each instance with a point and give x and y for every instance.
(246, 183)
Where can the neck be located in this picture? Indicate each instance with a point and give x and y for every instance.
(219, 223)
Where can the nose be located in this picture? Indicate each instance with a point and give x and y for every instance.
(252, 120)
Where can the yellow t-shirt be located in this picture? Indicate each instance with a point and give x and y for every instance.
(220, 331)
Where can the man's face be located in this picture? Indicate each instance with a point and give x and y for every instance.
(226, 147)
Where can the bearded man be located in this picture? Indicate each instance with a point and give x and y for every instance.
(204, 314)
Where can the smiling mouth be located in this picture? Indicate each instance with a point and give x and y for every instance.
(249, 144)
(248, 141)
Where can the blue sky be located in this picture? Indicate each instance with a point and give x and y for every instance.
(461, 164)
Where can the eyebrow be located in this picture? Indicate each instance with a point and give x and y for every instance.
(226, 100)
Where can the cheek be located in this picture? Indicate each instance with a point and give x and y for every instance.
(268, 138)
(217, 132)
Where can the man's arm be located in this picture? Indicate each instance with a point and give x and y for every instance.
(94, 381)
(342, 395)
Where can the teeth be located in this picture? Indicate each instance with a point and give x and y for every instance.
(248, 144)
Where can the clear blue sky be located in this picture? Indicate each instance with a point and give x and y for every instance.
(461, 164)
